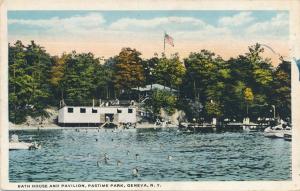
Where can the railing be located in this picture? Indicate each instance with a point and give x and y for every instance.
(95, 102)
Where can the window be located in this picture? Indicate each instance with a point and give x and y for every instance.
(119, 111)
(82, 110)
(70, 110)
(130, 110)
(94, 110)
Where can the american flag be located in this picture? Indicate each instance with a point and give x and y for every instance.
(169, 39)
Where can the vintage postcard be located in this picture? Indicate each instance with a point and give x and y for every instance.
(150, 95)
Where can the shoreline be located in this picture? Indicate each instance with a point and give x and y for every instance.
(13, 127)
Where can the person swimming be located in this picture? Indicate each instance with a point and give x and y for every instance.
(105, 158)
(119, 163)
(135, 172)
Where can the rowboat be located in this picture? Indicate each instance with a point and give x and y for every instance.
(277, 131)
(15, 144)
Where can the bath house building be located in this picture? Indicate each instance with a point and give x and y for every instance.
(95, 116)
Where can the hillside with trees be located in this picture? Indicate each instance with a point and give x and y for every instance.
(207, 85)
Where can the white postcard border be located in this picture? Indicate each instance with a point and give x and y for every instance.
(293, 6)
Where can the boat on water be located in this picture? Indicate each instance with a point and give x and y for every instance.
(287, 136)
(15, 144)
(277, 131)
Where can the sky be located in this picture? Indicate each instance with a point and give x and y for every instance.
(105, 33)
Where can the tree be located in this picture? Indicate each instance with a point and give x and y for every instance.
(281, 94)
(104, 75)
(149, 67)
(18, 81)
(79, 78)
(58, 71)
(248, 96)
(203, 70)
(129, 69)
(39, 67)
(169, 71)
(261, 74)
(206, 81)
(213, 109)
(29, 90)
(248, 71)
(162, 99)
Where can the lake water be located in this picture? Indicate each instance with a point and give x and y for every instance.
(158, 154)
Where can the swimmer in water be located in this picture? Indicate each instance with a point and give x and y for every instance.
(135, 171)
(106, 158)
(119, 163)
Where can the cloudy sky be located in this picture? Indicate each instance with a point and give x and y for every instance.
(104, 33)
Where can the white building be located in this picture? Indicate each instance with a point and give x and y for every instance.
(94, 116)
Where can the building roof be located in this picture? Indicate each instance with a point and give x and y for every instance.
(154, 86)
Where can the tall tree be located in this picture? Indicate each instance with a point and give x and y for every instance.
(18, 80)
(79, 79)
(281, 94)
(104, 75)
(58, 71)
(39, 67)
(248, 96)
(129, 69)
(29, 69)
(202, 73)
(149, 67)
(169, 71)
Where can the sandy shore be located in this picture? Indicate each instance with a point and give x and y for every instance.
(13, 127)
(33, 127)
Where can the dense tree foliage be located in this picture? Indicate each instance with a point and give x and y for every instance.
(281, 89)
(129, 69)
(169, 71)
(29, 86)
(162, 99)
(209, 86)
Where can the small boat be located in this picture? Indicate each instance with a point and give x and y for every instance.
(15, 144)
(287, 136)
(277, 131)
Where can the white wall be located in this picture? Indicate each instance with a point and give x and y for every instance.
(89, 117)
